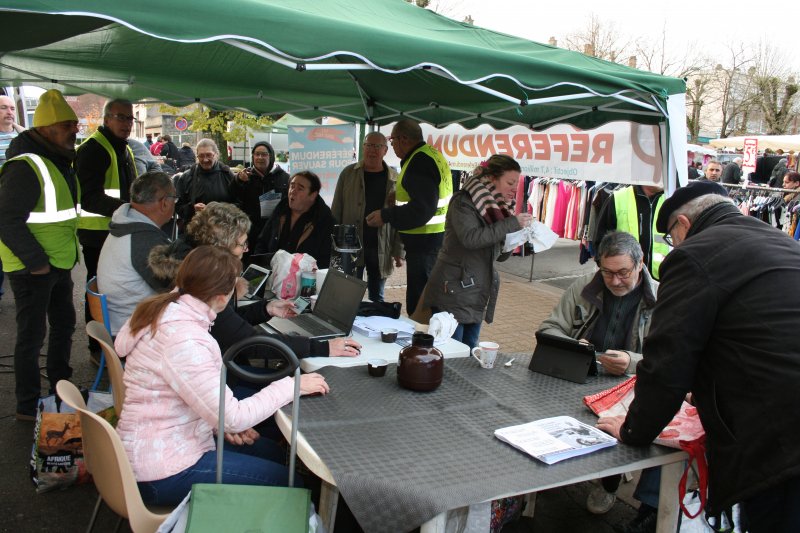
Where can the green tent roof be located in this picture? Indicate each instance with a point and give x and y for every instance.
(357, 60)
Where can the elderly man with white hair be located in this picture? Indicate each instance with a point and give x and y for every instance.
(206, 181)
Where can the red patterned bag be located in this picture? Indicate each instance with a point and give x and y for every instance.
(684, 432)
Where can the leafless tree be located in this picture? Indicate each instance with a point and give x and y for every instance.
(775, 89)
(657, 54)
(734, 88)
(697, 91)
(600, 39)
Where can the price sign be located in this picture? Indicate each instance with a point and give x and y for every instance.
(181, 124)
(749, 157)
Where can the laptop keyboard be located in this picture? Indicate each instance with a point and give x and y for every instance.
(315, 327)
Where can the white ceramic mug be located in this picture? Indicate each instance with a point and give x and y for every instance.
(486, 353)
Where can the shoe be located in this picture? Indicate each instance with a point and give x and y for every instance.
(645, 521)
(600, 501)
(25, 417)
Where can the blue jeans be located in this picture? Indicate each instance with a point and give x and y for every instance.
(259, 464)
(468, 334)
(649, 486)
(375, 283)
(775, 510)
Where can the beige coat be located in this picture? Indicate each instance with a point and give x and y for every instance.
(348, 208)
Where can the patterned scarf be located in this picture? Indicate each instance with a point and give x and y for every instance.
(491, 206)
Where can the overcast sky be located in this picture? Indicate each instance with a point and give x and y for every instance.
(705, 24)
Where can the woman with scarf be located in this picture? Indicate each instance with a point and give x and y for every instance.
(463, 281)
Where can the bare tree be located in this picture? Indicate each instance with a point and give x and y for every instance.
(658, 55)
(600, 39)
(735, 89)
(775, 89)
(696, 93)
(448, 8)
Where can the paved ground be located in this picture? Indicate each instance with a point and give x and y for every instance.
(522, 306)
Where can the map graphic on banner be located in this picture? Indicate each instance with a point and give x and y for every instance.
(324, 150)
(620, 152)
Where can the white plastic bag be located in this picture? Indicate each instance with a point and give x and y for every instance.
(286, 271)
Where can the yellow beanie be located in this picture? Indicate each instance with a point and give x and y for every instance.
(52, 109)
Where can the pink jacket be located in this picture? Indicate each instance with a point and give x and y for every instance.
(172, 392)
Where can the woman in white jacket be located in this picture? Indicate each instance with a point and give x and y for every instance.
(172, 390)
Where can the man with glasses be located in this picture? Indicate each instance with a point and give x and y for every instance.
(725, 329)
(106, 168)
(611, 309)
(38, 219)
(634, 209)
(253, 183)
(206, 181)
(362, 188)
(123, 272)
(423, 192)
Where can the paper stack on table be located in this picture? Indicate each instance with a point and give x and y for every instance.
(371, 326)
(554, 439)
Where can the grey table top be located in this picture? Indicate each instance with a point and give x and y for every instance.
(401, 457)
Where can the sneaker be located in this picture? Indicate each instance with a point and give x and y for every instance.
(600, 501)
(645, 521)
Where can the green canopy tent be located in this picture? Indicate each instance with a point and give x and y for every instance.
(369, 62)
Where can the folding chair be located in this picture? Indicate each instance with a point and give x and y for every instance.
(98, 308)
(98, 332)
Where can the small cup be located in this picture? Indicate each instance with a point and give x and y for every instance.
(486, 353)
(388, 335)
(377, 367)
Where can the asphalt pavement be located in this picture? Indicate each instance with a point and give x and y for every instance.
(522, 305)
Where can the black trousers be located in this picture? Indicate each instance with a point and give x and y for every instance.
(418, 269)
(41, 301)
(91, 243)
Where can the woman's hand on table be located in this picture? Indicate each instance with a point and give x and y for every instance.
(248, 437)
(611, 425)
(615, 362)
(313, 384)
(281, 308)
(343, 347)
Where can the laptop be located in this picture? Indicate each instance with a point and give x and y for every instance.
(256, 277)
(564, 358)
(333, 314)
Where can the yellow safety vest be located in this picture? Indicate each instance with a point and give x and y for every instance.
(54, 219)
(628, 221)
(91, 220)
(436, 222)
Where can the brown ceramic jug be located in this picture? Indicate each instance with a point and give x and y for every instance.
(420, 366)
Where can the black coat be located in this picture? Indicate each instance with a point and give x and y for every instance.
(247, 194)
(311, 234)
(725, 328)
(200, 186)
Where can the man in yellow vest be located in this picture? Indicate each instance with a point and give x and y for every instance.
(634, 209)
(38, 244)
(106, 168)
(423, 191)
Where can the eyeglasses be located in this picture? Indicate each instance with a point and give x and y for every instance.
(173, 196)
(243, 245)
(623, 274)
(668, 234)
(260, 154)
(121, 117)
(374, 146)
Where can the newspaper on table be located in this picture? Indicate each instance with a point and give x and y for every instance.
(551, 440)
(269, 200)
(540, 236)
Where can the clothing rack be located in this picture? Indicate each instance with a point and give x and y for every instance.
(758, 188)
